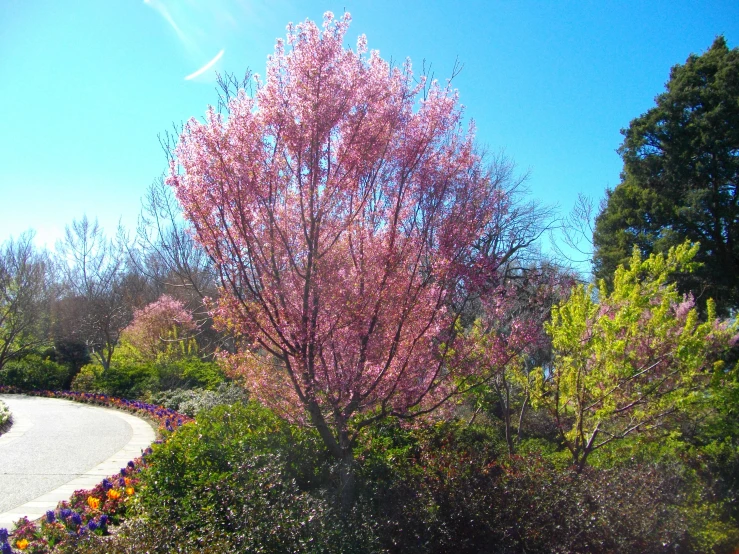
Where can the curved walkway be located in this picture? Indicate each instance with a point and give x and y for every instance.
(56, 447)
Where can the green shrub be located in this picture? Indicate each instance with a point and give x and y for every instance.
(245, 480)
(448, 488)
(188, 373)
(33, 372)
(86, 379)
(129, 378)
(126, 380)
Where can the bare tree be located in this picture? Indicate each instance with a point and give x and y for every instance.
(576, 232)
(24, 298)
(167, 253)
(97, 304)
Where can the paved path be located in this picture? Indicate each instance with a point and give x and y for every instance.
(56, 447)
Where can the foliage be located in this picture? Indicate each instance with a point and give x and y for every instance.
(34, 372)
(239, 477)
(348, 215)
(680, 178)
(73, 354)
(190, 372)
(449, 489)
(711, 443)
(628, 360)
(128, 377)
(86, 379)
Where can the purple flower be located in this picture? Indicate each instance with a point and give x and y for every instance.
(123, 471)
(130, 464)
(76, 518)
(103, 520)
(64, 513)
(5, 548)
(91, 525)
(3, 534)
(107, 485)
(50, 516)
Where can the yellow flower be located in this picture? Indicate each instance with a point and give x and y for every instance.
(130, 491)
(93, 502)
(114, 494)
(21, 544)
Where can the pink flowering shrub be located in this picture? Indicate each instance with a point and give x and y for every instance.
(163, 328)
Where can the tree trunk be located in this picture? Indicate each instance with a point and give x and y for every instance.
(347, 482)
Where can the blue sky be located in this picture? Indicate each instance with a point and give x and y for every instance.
(88, 85)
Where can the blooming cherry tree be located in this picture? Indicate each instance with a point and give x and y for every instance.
(349, 217)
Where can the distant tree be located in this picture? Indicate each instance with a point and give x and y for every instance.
(681, 178)
(169, 255)
(348, 216)
(25, 294)
(628, 360)
(99, 293)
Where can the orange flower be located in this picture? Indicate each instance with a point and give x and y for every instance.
(114, 494)
(130, 491)
(21, 544)
(93, 502)
(127, 481)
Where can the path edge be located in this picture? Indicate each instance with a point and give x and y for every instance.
(143, 434)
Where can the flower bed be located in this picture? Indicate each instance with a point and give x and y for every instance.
(166, 418)
(94, 510)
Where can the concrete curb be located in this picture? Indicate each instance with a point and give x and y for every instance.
(143, 435)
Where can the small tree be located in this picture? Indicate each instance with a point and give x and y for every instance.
(627, 360)
(349, 217)
(164, 328)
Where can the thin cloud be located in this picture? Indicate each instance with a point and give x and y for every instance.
(164, 12)
(206, 67)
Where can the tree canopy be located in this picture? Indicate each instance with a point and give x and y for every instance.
(680, 178)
